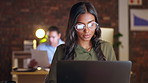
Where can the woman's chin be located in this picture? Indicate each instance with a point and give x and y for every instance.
(86, 39)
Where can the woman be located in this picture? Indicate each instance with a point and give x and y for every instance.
(82, 39)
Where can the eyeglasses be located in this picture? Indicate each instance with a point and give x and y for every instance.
(81, 27)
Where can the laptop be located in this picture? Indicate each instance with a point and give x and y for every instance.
(93, 71)
(41, 57)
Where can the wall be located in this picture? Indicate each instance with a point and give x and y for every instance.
(20, 18)
(139, 50)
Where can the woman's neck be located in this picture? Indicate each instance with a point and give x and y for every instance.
(86, 45)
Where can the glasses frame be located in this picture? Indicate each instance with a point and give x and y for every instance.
(85, 27)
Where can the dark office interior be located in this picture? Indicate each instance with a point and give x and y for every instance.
(19, 19)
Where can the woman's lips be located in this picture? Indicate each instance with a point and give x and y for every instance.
(86, 36)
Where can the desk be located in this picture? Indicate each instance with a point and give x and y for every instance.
(30, 77)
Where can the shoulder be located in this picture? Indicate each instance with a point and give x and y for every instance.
(108, 51)
(61, 42)
(105, 44)
(62, 46)
(43, 44)
(60, 51)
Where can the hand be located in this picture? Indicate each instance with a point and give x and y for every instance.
(32, 63)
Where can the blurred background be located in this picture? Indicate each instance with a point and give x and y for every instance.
(19, 20)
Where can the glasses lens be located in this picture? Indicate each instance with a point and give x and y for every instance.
(80, 27)
(92, 26)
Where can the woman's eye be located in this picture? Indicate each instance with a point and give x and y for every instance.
(80, 26)
(90, 24)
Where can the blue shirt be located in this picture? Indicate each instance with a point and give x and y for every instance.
(50, 49)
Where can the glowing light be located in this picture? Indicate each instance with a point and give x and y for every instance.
(39, 68)
(40, 33)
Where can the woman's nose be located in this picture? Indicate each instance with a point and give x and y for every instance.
(86, 30)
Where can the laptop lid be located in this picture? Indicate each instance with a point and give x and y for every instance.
(41, 57)
(93, 71)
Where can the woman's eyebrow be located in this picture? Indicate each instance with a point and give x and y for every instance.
(87, 22)
(91, 21)
(80, 22)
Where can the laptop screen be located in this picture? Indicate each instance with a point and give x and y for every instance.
(93, 71)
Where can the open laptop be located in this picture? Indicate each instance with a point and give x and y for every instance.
(41, 57)
(93, 71)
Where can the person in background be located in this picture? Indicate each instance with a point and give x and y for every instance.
(82, 39)
(50, 46)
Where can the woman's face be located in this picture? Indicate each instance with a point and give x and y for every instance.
(87, 21)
